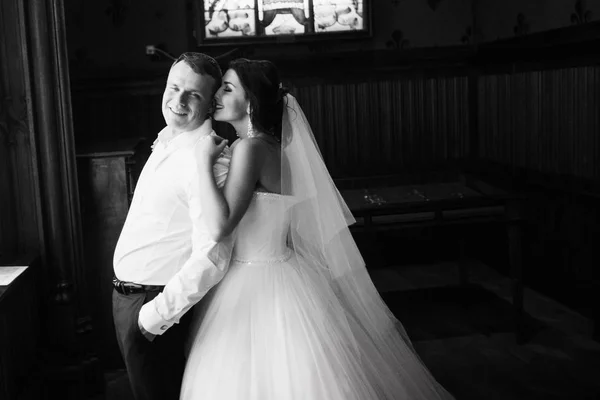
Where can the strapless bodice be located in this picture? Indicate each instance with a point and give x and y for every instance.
(262, 233)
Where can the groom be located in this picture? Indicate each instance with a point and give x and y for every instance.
(165, 260)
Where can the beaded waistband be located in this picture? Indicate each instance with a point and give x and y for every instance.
(277, 260)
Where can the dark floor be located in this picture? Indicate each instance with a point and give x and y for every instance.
(469, 345)
(465, 337)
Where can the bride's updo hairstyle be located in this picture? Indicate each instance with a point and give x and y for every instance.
(260, 80)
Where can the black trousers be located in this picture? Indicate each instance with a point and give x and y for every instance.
(155, 369)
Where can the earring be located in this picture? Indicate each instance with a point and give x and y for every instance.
(250, 132)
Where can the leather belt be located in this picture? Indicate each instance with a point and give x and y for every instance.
(127, 288)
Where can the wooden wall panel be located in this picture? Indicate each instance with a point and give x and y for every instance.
(543, 127)
(383, 126)
(546, 121)
(363, 126)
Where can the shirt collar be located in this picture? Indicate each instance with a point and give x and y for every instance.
(166, 138)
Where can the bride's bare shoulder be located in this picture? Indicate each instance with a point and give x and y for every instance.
(234, 144)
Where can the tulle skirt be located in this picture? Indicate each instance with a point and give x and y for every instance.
(278, 332)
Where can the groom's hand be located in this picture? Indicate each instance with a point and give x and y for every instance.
(146, 334)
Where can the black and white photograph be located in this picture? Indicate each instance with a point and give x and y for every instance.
(300, 200)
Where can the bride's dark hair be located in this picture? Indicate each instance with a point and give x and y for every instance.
(260, 80)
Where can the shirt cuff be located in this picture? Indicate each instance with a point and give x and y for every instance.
(151, 320)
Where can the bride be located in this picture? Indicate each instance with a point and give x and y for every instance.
(297, 315)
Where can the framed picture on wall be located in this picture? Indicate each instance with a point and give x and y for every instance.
(250, 21)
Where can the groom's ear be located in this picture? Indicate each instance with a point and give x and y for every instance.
(211, 109)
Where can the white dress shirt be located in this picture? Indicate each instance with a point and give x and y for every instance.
(165, 240)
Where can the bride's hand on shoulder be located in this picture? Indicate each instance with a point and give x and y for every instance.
(209, 149)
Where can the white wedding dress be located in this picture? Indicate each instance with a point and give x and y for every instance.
(274, 329)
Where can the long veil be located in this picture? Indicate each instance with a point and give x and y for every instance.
(319, 234)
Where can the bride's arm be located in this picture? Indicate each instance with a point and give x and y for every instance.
(223, 210)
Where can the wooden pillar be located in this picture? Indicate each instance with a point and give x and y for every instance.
(20, 201)
(53, 131)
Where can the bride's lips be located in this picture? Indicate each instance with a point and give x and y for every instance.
(218, 106)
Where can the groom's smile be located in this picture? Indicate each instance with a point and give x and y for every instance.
(179, 113)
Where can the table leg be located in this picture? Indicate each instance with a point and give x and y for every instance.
(368, 222)
(463, 267)
(515, 236)
(373, 256)
(596, 333)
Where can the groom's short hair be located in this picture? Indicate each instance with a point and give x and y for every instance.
(202, 64)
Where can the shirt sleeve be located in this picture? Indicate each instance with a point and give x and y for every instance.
(206, 266)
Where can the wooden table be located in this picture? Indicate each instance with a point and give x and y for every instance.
(462, 201)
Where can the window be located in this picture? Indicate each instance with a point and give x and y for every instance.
(250, 20)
